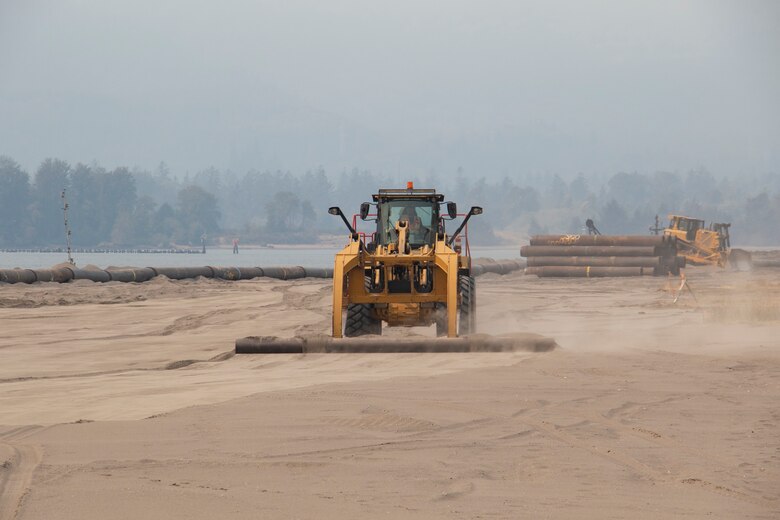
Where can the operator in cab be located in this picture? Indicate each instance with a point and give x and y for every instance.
(418, 234)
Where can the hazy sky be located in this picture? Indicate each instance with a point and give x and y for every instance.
(497, 87)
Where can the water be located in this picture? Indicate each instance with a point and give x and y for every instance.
(247, 257)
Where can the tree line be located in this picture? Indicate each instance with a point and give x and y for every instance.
(154, 208)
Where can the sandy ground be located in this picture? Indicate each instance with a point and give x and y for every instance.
(125, 401)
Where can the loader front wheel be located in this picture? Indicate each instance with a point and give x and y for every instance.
(361, 321)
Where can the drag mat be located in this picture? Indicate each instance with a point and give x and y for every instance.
(377, 344)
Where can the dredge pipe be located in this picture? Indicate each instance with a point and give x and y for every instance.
(17, 276)
(481, 266)
(248, 273)
(276, 272)
(378, 344)
(529, 251)
(143, 274)
(588, 272)
(766, 262)
(478, 270)
(60, 275)
(180, 273)
(121, 275)
(288, 273)
(295, 272)
(603, 240)
(227, 273)
(130, 275)
(95, 275)
(319, 272)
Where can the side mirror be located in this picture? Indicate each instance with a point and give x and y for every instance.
(475, 210)
(364, 209)
(452, 209)
(335, 210)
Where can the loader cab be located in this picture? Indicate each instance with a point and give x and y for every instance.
(420, 218)
(417, 208)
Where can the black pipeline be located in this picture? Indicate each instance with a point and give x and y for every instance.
(382, 345)
(64, 274)
(482, 266)
(144, 274)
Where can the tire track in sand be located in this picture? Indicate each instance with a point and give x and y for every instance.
(173, 365)
(18, 463)
(533, 418)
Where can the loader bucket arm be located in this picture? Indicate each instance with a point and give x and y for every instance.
(346, 260)
(447, 261)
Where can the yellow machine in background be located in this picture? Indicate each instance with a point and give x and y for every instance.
(406, 273)
(699, 244)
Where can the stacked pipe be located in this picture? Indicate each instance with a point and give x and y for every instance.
(592, 256)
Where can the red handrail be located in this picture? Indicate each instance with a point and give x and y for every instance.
(363, 234)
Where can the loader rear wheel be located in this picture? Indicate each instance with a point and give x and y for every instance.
(468, 306)
(361, 321)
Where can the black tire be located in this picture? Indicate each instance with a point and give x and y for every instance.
(361, 321)
(468, 306)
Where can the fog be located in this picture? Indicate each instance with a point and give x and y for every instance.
(498, 88)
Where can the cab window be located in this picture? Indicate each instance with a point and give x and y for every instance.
(420, 216)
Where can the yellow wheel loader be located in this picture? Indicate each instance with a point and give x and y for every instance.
(408, 272)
